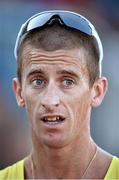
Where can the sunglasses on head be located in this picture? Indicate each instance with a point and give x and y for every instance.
(67, 18)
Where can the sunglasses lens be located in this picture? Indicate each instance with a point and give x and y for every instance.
(38, 21)
(77, 22)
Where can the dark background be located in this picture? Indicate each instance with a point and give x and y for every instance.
(14, 131)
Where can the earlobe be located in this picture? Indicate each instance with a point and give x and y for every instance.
(98, 91)
(18, 92)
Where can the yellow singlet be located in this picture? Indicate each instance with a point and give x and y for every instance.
(16, 171)
(113, 171)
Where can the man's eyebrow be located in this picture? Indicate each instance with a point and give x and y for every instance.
(69, 72)
(35, 71)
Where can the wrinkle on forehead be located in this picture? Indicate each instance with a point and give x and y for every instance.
(32, 54)
(74, 57)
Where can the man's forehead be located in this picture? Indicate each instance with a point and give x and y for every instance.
(59, 62)
(32, 54)
(74, 58)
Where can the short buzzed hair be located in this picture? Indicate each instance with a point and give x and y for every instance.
(56, 37)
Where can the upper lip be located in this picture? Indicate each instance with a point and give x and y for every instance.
(52, 117)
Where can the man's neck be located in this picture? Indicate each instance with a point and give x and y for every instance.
(66, 162)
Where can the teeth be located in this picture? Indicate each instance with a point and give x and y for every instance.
(56, 118)
(51, 119)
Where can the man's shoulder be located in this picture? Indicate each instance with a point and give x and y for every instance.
(113, 170)
(14, 171)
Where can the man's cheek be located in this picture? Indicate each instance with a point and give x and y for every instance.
(30, 105)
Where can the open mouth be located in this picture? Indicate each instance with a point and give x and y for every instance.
(53, 119)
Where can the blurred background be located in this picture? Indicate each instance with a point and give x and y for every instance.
(15, 140)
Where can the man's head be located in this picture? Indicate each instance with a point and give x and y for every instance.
(56, 38)
(59, 79)
(61, 30)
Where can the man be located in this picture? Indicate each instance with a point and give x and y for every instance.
(59, 81)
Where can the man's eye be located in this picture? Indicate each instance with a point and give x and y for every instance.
(68, 82)
(38, 82)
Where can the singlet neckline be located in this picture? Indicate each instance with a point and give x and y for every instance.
(107, 173)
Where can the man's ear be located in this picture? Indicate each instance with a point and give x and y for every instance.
(98, 91)
(18, 92)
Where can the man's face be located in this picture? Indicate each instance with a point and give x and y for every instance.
(56, 93)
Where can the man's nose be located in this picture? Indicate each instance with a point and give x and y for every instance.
(50, 99)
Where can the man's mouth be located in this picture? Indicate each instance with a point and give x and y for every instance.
(52, 120)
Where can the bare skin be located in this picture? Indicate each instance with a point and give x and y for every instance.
(56, 84)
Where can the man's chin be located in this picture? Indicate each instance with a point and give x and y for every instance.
(55, 140)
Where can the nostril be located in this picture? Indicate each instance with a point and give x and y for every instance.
(50, 102)
(50, 105)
